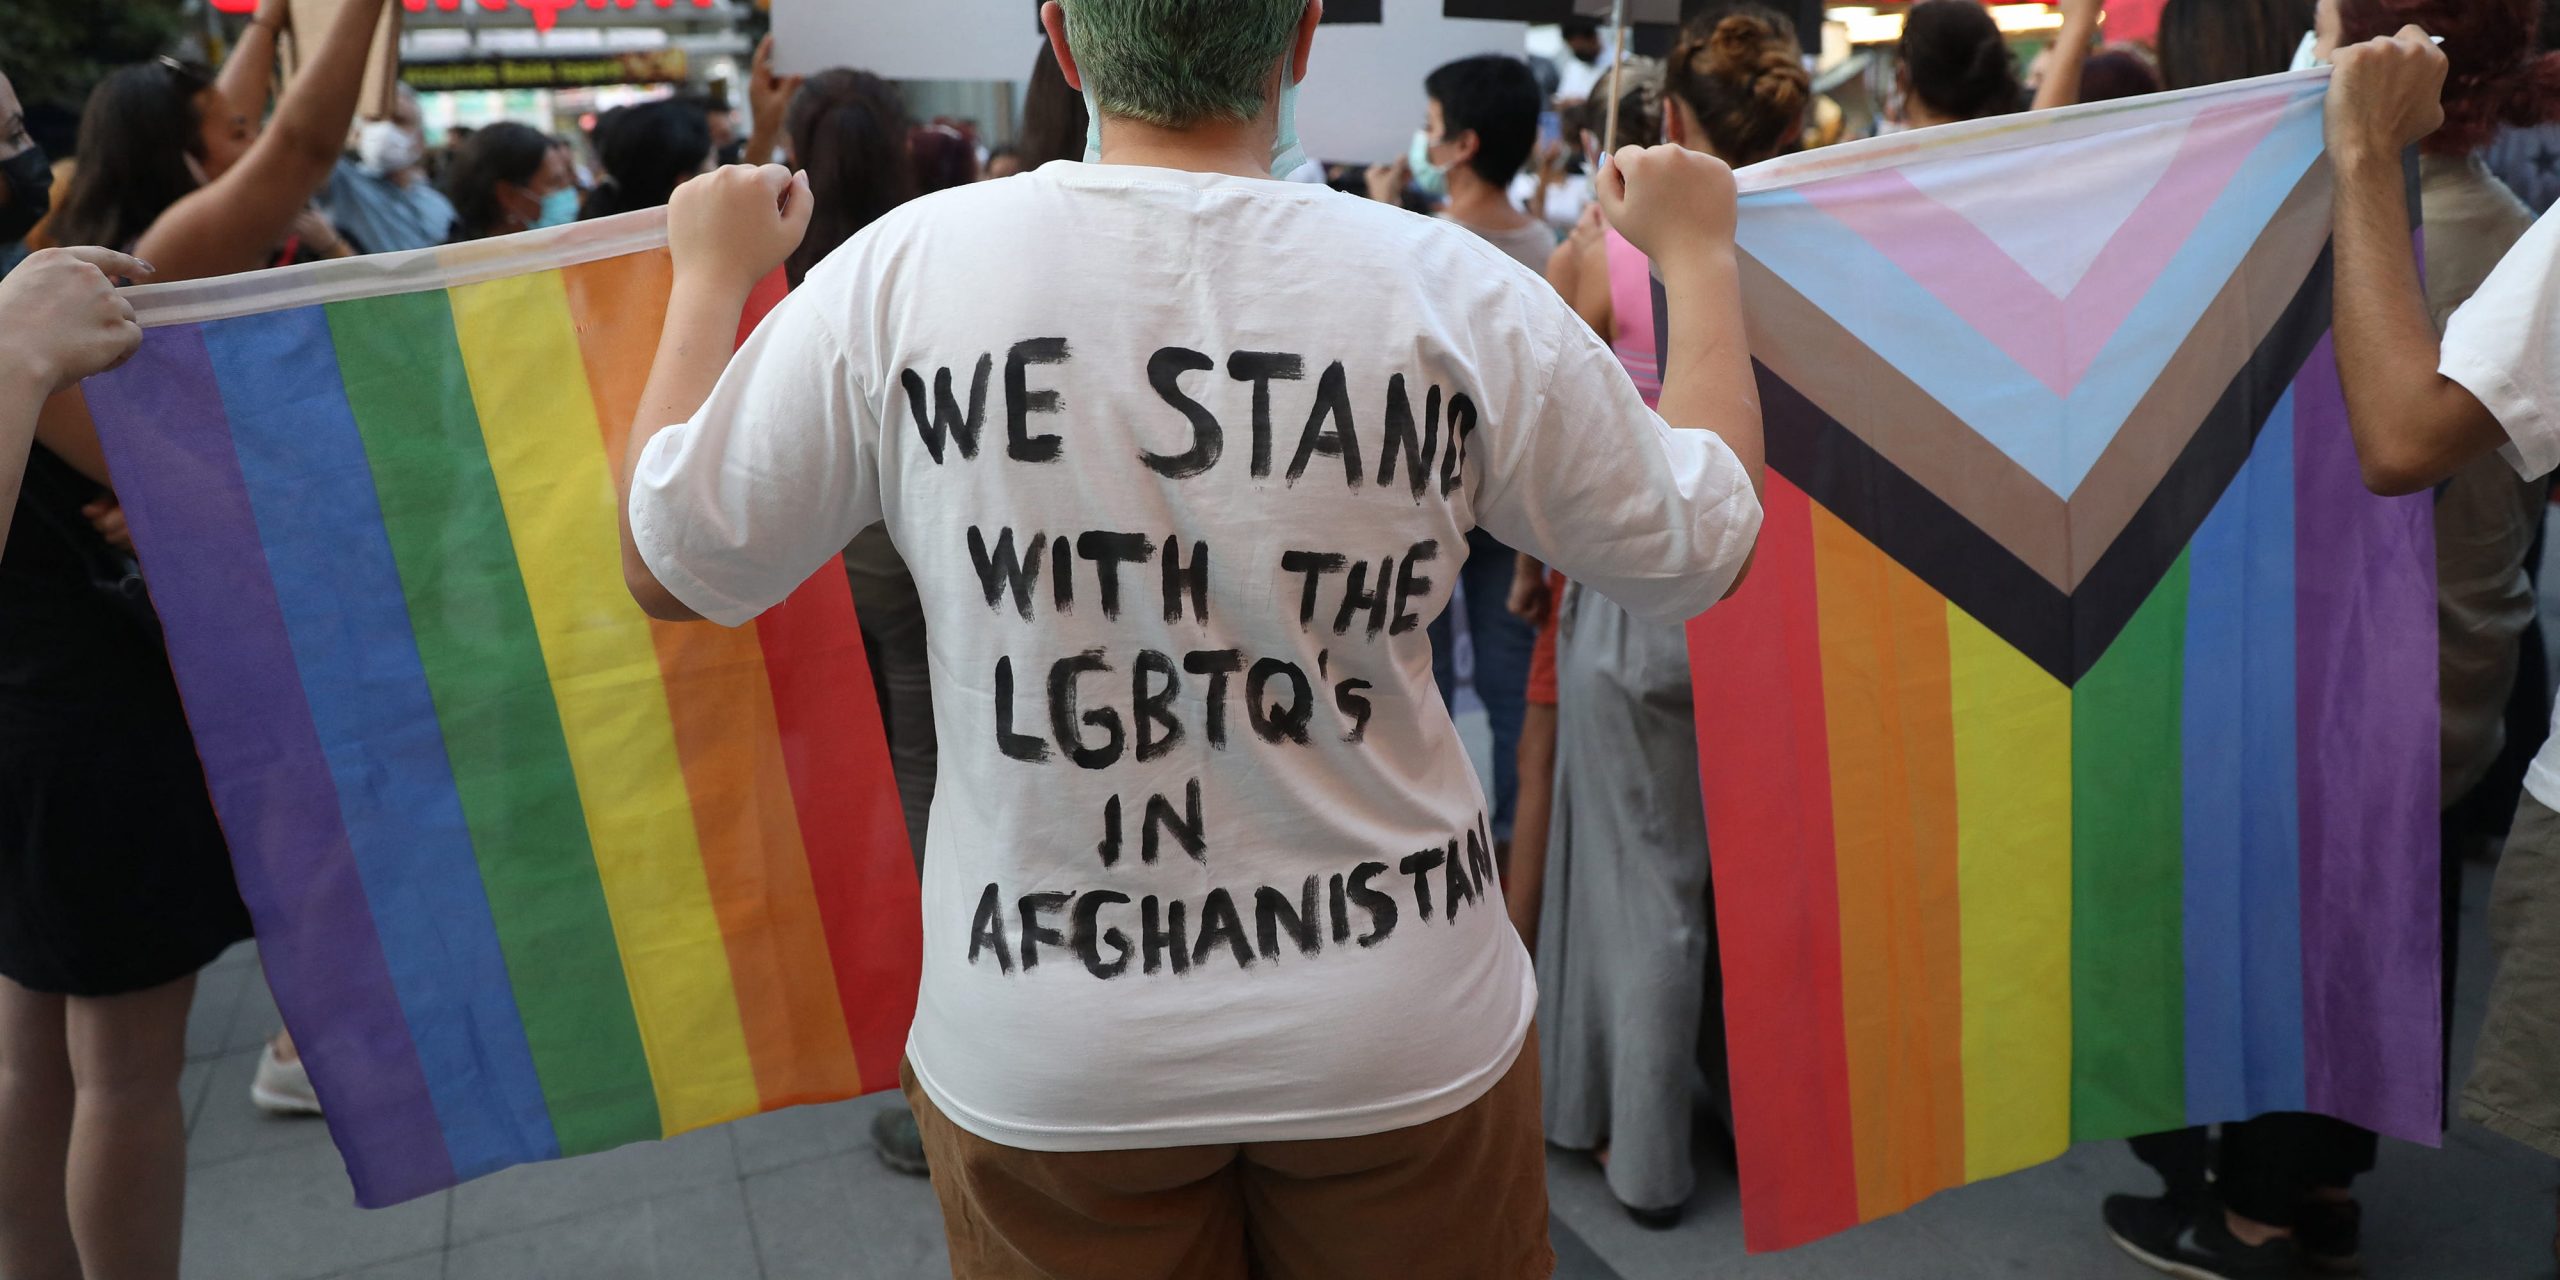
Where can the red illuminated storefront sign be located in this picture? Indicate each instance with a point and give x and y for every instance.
(545, 12)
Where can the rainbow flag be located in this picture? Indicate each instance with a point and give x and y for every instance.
(533, 876)
(2070, 754)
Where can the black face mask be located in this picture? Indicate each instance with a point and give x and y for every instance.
(30, 180)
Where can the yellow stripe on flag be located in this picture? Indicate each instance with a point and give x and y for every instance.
(2013, 872)
(539, 422)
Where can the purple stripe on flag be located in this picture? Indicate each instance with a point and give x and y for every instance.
(169, 444)
(2366, 623)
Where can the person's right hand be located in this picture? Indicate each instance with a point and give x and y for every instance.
(1530, 601)
(769, 95)
(730, 228)
(1388, 181)
(61, 319)
(2386, 95)
(274, 15)
(1671, 203)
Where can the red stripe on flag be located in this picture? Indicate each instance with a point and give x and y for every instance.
(860, 864)
(1764, 761)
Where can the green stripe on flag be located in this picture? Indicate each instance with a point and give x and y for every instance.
(2128, 965)
(466, 597)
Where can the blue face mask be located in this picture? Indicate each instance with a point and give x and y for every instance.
(559, 208)
(1433, 179)
(1287, 156)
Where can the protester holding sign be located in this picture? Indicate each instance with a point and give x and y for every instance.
(1221, 918)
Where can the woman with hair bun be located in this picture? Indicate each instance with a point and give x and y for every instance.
(1624, 925)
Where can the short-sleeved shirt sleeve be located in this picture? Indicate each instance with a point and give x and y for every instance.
(734, 509)
(2504, 347)
(1657, 518)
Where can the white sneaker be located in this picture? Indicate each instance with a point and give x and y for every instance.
(282, 1088)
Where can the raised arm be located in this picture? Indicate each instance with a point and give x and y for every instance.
(248, 76)
(2061, 87)
(2413, 426)
(236, 221)
(727, 230)
(1677, 206)
(769, 101)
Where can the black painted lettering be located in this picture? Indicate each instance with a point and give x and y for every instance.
(1220, 924)
(1273, 914)
(1340, 440)
(1020, 401)
(1410, 584)
(1340, 912)
(1218, 665)
(1208, 439)
(1277, 722)
(1031, 906)
(1420, 866)
(1403, 444)
(1462, 430)
(1312, 566)
(944, 421)
(1016, 746)
(1357, 595)
(1185, 827)
(1181, 580)
(1110, 846)
(1262, 368)
(1156, 945)
(1006, 570)
(986, 931)
(1106, 552)
(1380, 905)
(1455, 884)
(1152, 708)
(1088, 943)
(1480, 860)
(1064, 718)
(1350, 698)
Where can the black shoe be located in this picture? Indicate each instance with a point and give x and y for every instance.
(2195, 1244)
(894, 1136)
(1655, 1219)
(2329, 1234)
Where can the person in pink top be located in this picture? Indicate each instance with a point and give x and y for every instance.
(1624, 923)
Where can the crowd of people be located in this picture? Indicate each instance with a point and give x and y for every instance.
(1594, 488)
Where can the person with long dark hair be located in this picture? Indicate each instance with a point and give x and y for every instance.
(506, 178)
(1956, 65)
(2213, 41)
(115, 884)
(1055, 122)
(647, 152)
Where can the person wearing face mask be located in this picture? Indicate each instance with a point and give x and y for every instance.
(380, 199)
(1225, 438)
(26, 176)
(509, 178)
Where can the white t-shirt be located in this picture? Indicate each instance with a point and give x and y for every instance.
(1184, 464)
(2504, 347)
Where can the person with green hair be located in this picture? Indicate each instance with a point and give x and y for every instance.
(1218, 977)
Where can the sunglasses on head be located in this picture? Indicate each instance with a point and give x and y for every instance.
(186, 76)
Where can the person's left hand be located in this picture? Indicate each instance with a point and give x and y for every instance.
(106, 515)
(2386, 95)
(769, 95)
(1388, 181)
(61, 319)
(318, 235)
(274, 15)
(732, 226)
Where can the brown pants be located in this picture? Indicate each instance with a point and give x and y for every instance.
(1464, 1195)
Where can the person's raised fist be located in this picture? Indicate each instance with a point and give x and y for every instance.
(2385, 96)
(1671, 203)
(732, 226)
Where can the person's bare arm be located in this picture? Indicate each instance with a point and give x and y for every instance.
(236, 221)
(248, 76)
(1677, 206)
(2061, 87)
(2413, 426)
(726, 230)
(61, 320)
(769, 101)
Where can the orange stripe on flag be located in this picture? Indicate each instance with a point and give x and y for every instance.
(729, 743)
(1886, 692)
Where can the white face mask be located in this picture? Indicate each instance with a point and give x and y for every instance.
(2304, 57)
(385, 148)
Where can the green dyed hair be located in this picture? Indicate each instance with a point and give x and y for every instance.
(1177, 63)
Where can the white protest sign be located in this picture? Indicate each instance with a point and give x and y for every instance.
(908, 39)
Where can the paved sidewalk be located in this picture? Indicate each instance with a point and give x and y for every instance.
(799, 1195)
